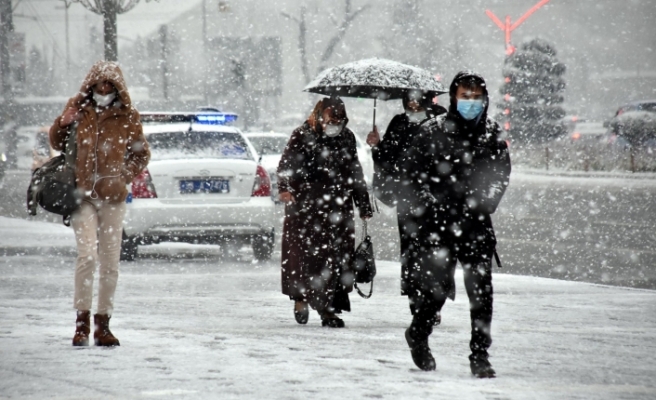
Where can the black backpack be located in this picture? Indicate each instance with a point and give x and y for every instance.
(53, 184)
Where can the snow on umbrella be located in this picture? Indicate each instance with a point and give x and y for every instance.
(374, 78)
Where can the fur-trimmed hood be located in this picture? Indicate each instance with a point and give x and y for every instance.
(103, 71)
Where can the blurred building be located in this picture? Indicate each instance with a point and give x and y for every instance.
(254, 57)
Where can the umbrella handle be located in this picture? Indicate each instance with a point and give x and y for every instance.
(374, 126)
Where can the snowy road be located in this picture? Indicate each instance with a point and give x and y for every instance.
(594, 229)
(584, 227)
(204, 326)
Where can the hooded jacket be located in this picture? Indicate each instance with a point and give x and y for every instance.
(111, 147)
(459, 165)
(460, 170)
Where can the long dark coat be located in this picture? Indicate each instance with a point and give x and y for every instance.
(460, 170)
(388, 157)
(326, 179)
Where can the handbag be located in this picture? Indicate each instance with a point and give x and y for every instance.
(53, 184)
(365, 264)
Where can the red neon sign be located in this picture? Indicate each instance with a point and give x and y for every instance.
(509, 27)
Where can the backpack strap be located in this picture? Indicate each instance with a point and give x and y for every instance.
(70, 151)
(70, 154)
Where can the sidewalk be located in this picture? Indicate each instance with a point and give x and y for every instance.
(620, 175)
(207, 328)
(25, 237)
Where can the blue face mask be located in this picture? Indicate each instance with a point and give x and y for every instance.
(470, 109)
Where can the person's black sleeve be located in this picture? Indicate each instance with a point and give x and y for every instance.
(490, 176)
(386, 153)
(291, 162)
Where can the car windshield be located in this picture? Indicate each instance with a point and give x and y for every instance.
(180, 145)
(268, 144)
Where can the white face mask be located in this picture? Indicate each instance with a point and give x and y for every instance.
(333, 130)
(103, 101)
(416, 117)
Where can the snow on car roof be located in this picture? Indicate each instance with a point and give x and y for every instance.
(264, 134)
(185, 126)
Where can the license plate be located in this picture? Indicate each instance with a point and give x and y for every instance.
(189, 186)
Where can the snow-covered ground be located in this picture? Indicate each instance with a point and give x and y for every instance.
(205, 326)
(19, 236)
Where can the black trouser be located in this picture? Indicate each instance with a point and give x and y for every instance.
(477, 270)
(408, 235)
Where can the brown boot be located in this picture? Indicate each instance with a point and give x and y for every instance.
(82, 328)
(102, 335)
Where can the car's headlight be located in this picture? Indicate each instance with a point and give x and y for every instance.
(3, 157)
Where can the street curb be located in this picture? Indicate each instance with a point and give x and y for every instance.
(13, 251)
(590, 174)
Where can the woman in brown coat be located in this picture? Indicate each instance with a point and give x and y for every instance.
(319, 180)
(111, 151)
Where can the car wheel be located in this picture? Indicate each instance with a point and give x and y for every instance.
(263, 246)
(128, 248)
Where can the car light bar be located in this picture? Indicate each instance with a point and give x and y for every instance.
(205, 118)
(216, 118)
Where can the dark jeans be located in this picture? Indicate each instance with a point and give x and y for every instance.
(478, 282)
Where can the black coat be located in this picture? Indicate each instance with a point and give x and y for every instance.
(388, 156)
(460, 170)
(325, 177)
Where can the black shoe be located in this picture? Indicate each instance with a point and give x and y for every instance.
(421, 353)
(332, 322)
(481, 367)
(303, 315)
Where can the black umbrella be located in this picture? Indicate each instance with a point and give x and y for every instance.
(374, 78)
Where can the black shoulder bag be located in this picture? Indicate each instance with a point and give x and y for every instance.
(365, 264)
(53, 185)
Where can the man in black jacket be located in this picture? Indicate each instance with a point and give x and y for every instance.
(460, 168)
(388, 155)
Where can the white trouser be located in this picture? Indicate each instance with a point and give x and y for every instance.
(98, 227)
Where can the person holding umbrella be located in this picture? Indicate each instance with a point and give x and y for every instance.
(460, 167)
(388, 155)
(319, 180)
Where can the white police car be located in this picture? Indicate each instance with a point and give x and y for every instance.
(203, 185)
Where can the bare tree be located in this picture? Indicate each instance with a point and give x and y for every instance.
(6, 29)
(109, 9)
(349, 16)
(302, 39)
